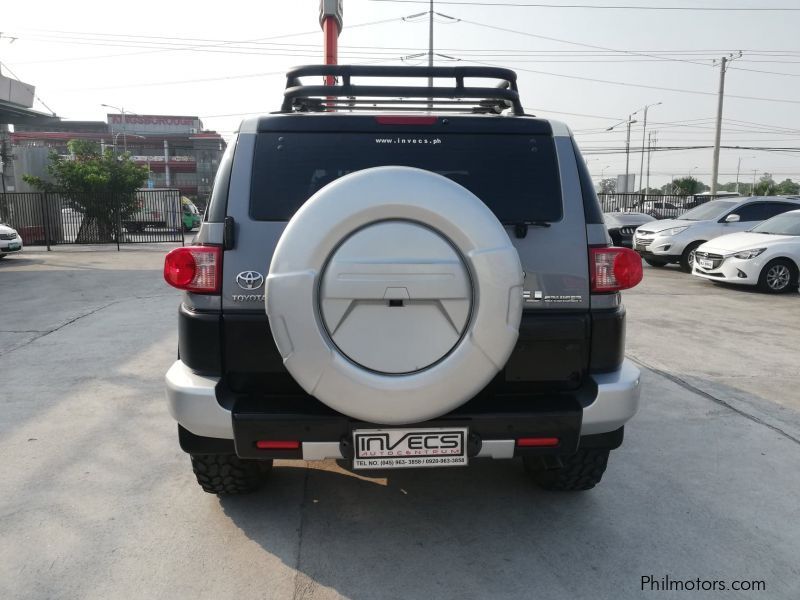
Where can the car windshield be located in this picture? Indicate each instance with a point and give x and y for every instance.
(708, 211)
(785, 224)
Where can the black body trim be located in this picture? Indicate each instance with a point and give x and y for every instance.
(608, 340)
(512, 417)
(555, 349)
(199, 337)
(196, 444)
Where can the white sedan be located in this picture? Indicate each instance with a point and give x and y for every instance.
(767, 256)
(10, 242)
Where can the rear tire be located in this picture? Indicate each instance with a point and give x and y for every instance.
(655, 262)
(581, 471)
(687, 258)
(227, 474)
(778, 277)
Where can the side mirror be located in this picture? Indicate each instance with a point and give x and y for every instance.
(732, 218)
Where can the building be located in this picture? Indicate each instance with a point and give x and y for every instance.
(176, 149)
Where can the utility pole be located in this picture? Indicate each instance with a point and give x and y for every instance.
(651, 141)
(629, 121)
(724, 62)
(753, 189)
(644, 130)
(738, 166)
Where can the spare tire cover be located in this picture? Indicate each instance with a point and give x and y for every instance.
(394, 295)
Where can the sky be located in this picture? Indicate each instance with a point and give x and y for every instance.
(589, 67)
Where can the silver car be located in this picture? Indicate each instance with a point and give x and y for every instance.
(675, 240)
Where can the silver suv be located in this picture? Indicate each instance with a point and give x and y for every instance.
(675, 240)
(401, 290)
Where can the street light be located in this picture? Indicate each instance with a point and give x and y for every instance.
(738, 166)
(644, 129)
(116, 135)
(629, 121)
(124, 128)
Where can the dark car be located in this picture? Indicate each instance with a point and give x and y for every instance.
(621, 226)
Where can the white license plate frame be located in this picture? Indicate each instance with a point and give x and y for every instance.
(407, 448)
(705, 263)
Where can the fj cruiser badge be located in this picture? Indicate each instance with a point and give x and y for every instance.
(250, 280)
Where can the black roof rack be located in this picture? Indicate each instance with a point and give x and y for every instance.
(348, 96)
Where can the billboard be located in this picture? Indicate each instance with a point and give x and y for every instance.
(154, 124)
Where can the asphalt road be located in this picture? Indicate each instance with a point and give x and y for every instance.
(97, 500)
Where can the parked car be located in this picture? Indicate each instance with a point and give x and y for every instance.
(767, 256)
(675, 240)
(659, 209)
(10, 241)
(621, 226)
(420, 286)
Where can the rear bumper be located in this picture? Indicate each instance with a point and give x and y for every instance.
(193, 403)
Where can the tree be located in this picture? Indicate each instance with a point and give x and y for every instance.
(686, 186)
(101, 186)
(607, 186)
(766, 186)
(787, 187)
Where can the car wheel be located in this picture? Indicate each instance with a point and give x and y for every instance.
(581, 471)
(655, 262)
(227, 474)
(778, 277)
(687, 258)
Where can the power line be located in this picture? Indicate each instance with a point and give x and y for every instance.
(600, 6)
(639, 85)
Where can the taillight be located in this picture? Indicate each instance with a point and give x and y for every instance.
(194, 269)
(614, 269)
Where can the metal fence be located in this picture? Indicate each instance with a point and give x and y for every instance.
(45, 219)
(660, 206)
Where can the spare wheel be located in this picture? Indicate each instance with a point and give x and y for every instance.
(394, 295)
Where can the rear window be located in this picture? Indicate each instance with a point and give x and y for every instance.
(515, 175)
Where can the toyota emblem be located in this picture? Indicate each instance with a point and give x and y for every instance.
(250, 280)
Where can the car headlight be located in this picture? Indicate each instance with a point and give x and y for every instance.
(748, 254)
(673, 231)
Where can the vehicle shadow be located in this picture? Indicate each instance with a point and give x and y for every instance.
(476, 532)
(19, 261)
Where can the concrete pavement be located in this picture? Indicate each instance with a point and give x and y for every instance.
(98, 501)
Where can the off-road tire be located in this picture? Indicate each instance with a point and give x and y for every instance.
(767, 280)
(653, 262)
(227, 474)
(581, 471)
(686, 265)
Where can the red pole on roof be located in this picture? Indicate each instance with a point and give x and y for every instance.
(330, 18)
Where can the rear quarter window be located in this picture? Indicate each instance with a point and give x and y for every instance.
(516, 176)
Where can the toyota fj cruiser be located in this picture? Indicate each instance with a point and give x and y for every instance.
(402, 276)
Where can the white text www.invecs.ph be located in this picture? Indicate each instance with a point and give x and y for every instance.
(398, 140)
